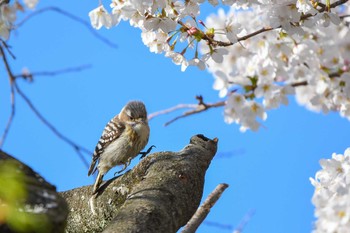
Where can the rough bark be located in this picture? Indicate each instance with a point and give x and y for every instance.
(160, 194)
(39, 209)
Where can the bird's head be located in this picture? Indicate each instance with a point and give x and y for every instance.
(134, 112)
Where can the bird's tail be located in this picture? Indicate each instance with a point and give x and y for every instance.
(97, 182)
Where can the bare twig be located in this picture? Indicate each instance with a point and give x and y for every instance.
(71, 16)
(219, 225)
(12, 96)
(7, 47)
(29, 76)
(9, 121)
(240, 227)
(204, 209)
(15, 89)
(77, 147)
(200, 107)
(172, 109)
(196, 108)
(244, 221)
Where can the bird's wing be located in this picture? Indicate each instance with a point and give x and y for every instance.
(112, 131)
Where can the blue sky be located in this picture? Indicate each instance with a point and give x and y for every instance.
(267, 171)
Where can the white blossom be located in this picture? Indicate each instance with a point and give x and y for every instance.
(304, 50)
(31, 4)
(332, 194)
(165, 24)
(305, 6)
(100, 17)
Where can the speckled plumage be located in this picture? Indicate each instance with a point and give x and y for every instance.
(122, 140)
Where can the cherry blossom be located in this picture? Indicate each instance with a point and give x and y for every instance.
(259, 52)
(100, 17)
(31, 4)
(8, 15)
(331, 196)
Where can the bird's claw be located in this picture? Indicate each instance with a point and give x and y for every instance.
(125, 166)
(143, 154)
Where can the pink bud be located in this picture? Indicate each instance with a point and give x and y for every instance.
(201, 22)
(192, 31)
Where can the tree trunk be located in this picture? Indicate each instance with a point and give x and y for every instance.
(160, 194)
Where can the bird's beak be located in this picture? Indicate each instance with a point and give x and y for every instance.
(144, 120)
(141, 120)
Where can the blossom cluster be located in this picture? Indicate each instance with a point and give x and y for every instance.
(259, 52)
(308, 58)
(8, 15)
(332, 194)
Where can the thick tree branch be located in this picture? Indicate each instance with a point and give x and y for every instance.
(160, 194)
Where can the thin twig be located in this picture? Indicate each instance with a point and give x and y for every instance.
(14, 87)
(73, 17)
(9, 121)
(240, 227)
(247, 217)
(12, 96)
(53, 73)
(204, 209)
(200, 107)
(196, 108)
(52, 128)
(7, 47)
(301, 83)
(219, 225)
(169, 110)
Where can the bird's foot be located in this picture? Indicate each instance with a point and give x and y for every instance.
(143, 154)
(125, 166)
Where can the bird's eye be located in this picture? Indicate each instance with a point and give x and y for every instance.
(131, 118)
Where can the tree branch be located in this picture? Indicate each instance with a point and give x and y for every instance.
(7, 47)
(214, 42)
(15, 89)
(160, 194)
(73, 17)
(10, 119)
(77, 147)
(12, 96)
(169, 110)
(196, 108)
(244, 221)
(204, 209)
(30, 75)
